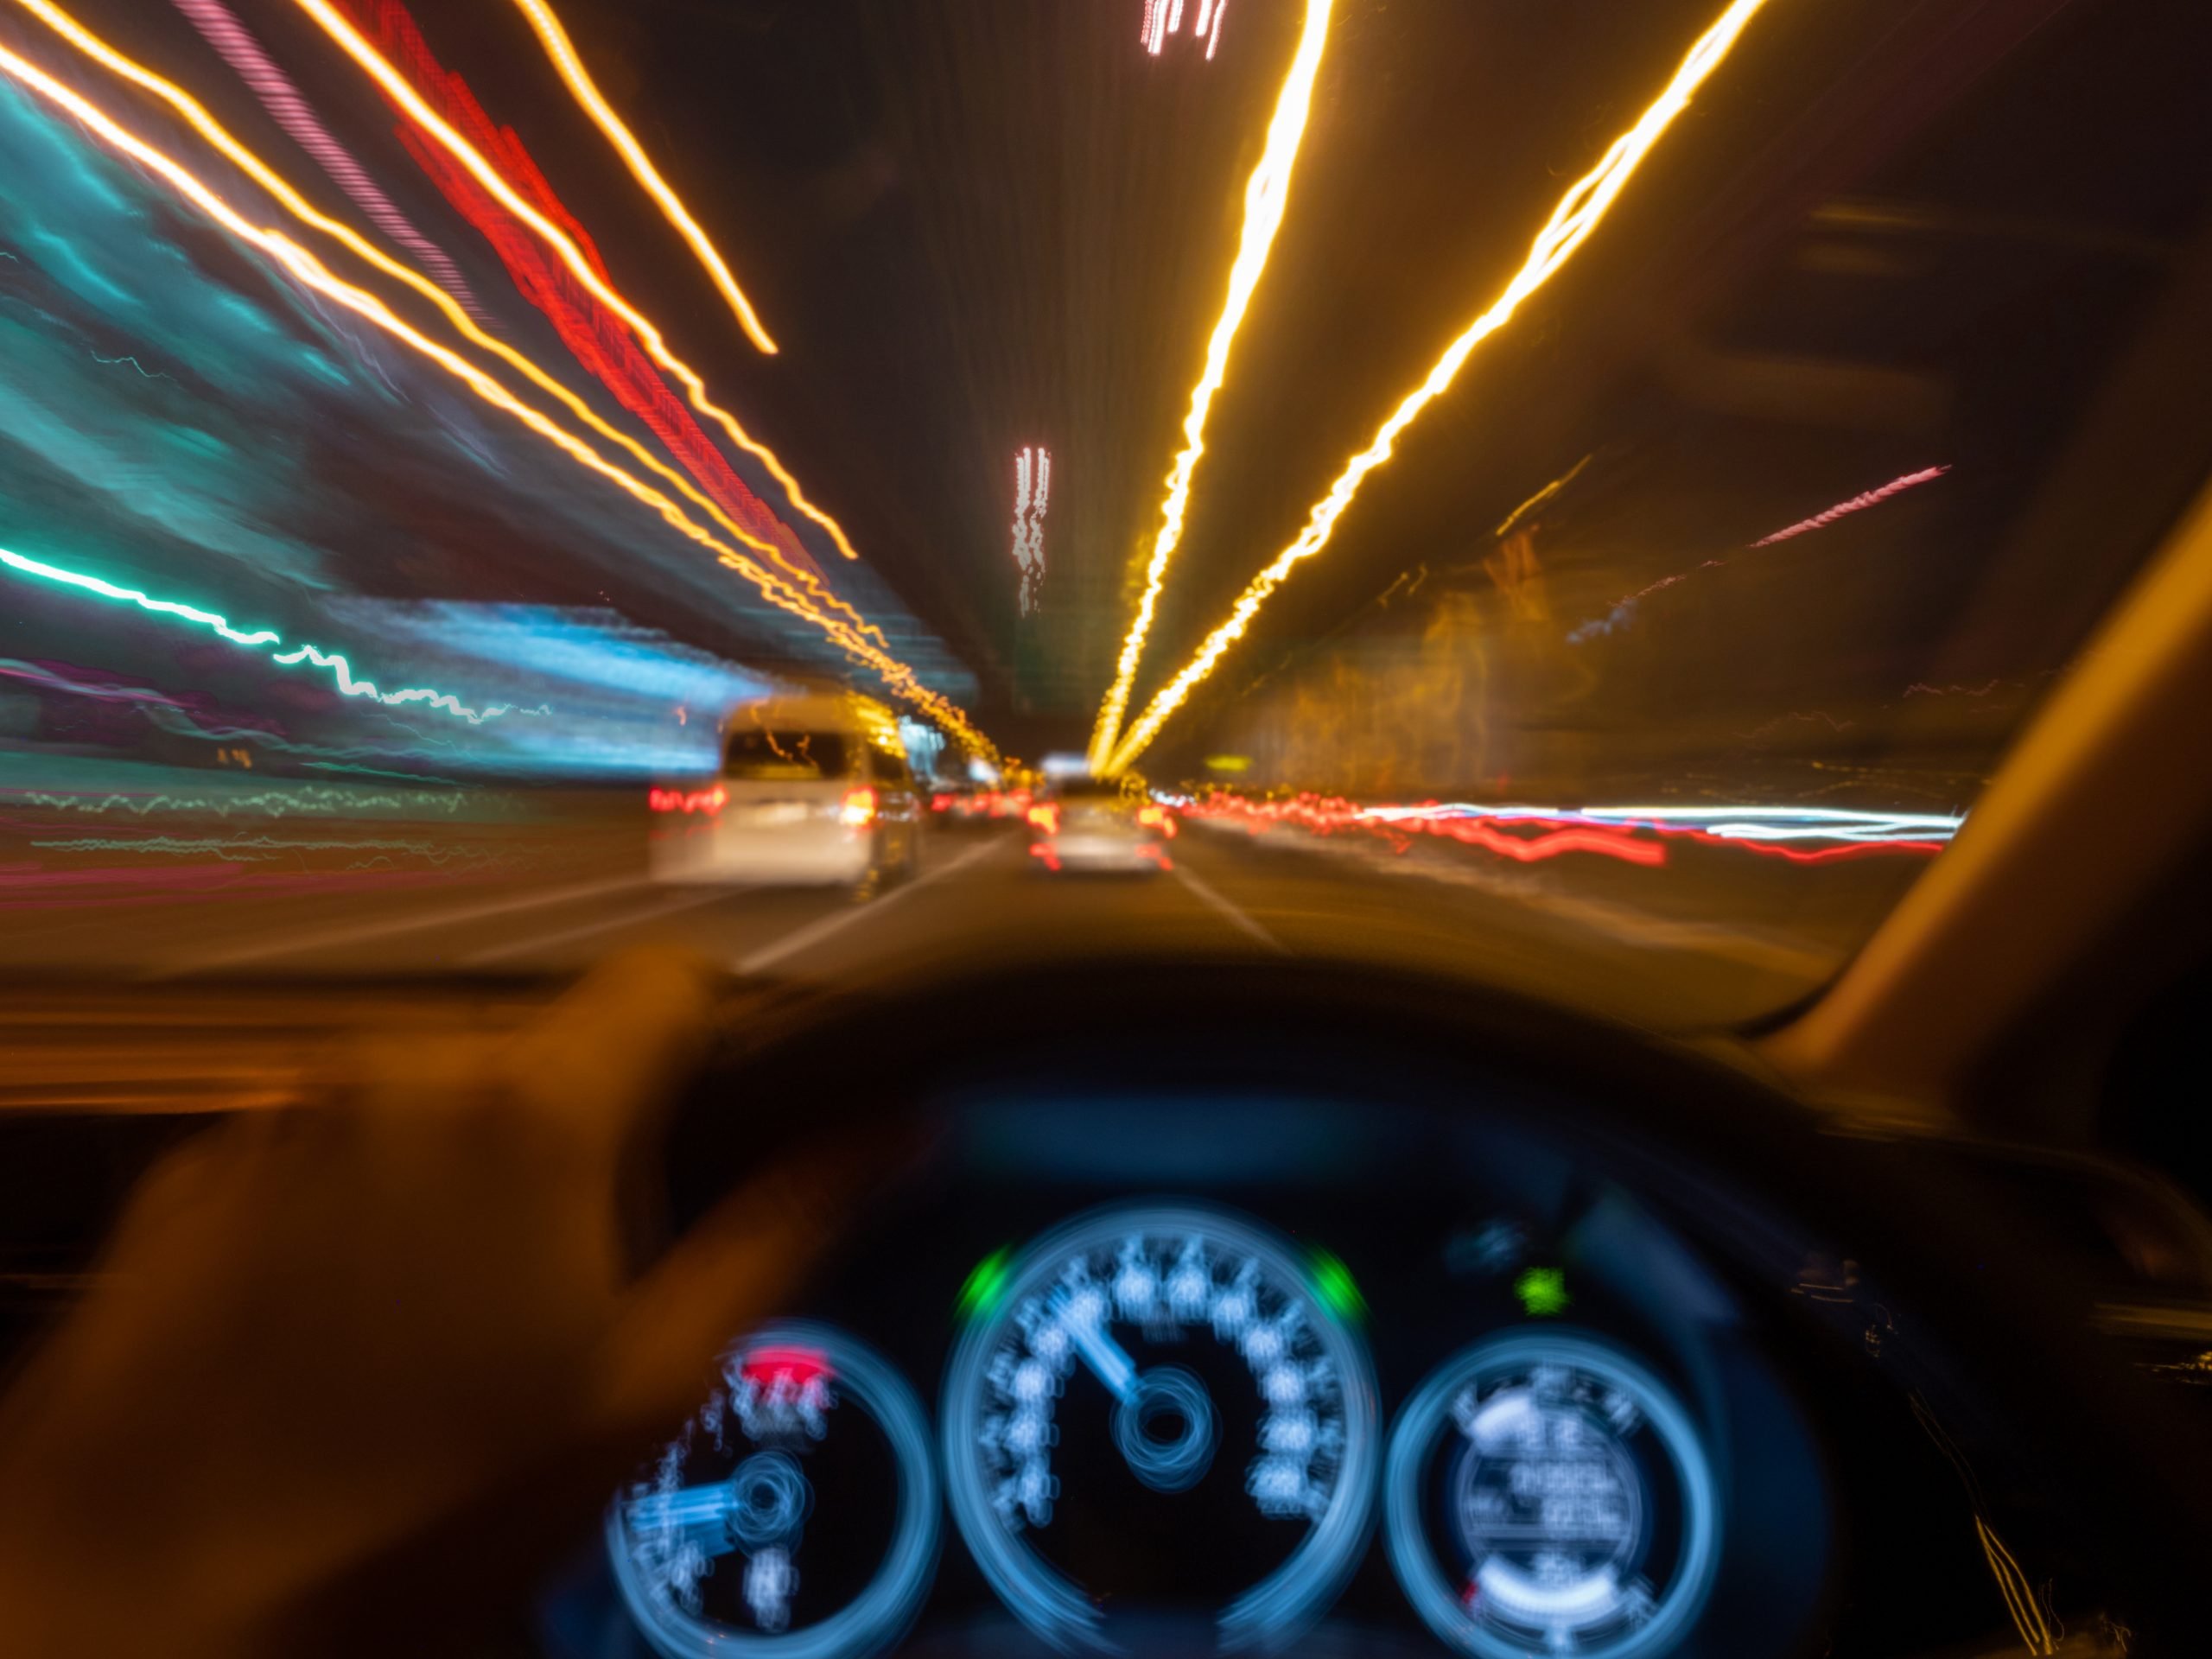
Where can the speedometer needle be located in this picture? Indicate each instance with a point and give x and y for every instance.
(1107, 1359)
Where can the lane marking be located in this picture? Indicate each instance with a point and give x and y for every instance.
(814, 932)
(691, 900)
(301, 945)
(1183, 873)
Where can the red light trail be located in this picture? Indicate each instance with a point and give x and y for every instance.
(304, 267)
(557, 236)
(1634, 835)
(593, 336)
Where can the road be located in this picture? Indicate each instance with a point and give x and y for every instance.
(297, 884)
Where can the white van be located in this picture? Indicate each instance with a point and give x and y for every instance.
(813, 791)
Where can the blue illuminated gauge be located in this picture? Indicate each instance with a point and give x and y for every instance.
(1546, 1495)
(1155, 1428)
(796, 1516)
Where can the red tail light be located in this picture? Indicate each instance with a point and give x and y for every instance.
(708, 801)
(859, 810)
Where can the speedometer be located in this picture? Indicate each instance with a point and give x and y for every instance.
(796, 1516)
(1546, 1495)
(1155, 1417)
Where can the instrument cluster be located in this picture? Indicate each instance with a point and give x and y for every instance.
(1132, 1375)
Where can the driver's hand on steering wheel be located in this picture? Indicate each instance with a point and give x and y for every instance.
(354, 1369)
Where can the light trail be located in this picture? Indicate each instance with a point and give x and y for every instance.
(347, 683)
(1330, 815)
(570, 68)
(311, 271)
(348, 686)
(1541, 496)
(1747, 823)
(1623, 611)
(1267, 194)
(310, 800)
(196, 115)
(263, 849)
(605, 350)
(1858, 503)
(1579, 213)
(402, 92)
(1802, 835)
(1165, 17)
(55, 573)
(197, 720)
(236, 45)
(1032, 492)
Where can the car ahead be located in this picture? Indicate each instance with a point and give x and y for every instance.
(1095, 825)
(812, 791)
(962, 801)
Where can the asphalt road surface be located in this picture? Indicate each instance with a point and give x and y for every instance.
(248, 880)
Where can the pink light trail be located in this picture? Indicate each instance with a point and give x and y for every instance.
(237, 47)
(1858, 503)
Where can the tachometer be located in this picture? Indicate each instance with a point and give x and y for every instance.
(1156, 1415)
(795, 1517)
(1545, 1495)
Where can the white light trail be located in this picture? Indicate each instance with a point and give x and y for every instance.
(1165, 17)
(1033, 493)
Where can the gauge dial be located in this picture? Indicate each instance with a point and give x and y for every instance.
(1157, 1415)
(1546, 1495)
(796, 1516)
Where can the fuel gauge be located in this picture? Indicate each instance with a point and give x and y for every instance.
(796, 1516)
(1546, 1494)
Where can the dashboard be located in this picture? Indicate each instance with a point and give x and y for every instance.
(1360, 1314)
(1140, 1371)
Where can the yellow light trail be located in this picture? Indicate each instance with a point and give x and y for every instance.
(1578, 214)
(402, 92)
(1543, 495)
(1265, 196)
(261, 172)
(570, 68)
(309, 270)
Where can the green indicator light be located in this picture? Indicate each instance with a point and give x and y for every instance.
(1542, 1292)
(1334, 1285)
(979, 1297)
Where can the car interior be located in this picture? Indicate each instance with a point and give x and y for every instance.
(1136, 1296)
(1909, 1290)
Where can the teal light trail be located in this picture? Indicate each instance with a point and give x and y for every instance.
(347, 686)
(132, 596)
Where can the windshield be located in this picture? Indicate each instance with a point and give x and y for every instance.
(759, 754)
(1577, 493)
